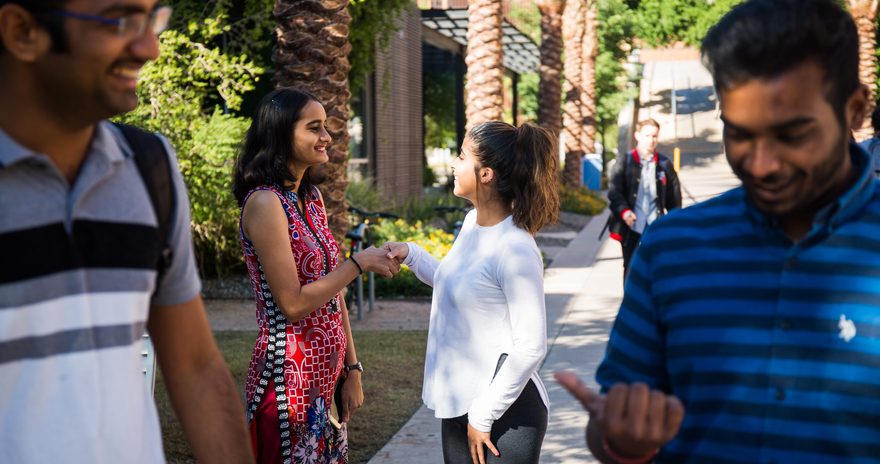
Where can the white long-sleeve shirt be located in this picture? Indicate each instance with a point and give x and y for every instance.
(488, 300)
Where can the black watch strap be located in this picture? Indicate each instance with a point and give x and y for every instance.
(354, 367)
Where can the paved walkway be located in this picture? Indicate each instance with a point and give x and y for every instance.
(584, 280)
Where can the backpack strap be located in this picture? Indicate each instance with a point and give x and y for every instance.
(154, 167)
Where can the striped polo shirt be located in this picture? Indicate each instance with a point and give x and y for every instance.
(76, 282)
(772, 346)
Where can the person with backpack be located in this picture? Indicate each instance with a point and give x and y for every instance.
(642, 187)
(96, 246)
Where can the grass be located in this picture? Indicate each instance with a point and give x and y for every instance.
(394, 362)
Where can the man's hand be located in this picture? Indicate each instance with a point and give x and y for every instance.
(629, 218)
(634, 419)
(476, 441)
(352, 394)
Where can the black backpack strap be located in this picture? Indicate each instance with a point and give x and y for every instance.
(155, 169)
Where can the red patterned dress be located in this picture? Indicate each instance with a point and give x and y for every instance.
(295, 365)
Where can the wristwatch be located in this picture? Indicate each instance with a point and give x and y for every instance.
(354, 367)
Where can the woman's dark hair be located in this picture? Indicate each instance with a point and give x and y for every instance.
(265, 155)
(761, 39)
(45, 12)
(525, 161)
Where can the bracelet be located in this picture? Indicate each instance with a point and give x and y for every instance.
(358, 366)
(360, 269)
(622, 460)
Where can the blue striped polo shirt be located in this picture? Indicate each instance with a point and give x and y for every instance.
(772, 346)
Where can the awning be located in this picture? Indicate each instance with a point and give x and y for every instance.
(521, 55)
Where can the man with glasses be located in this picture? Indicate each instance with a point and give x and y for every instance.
(79, 246)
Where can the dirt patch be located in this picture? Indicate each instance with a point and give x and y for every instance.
(231, 287)
(408, 314)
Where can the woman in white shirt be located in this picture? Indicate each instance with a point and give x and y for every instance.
(487, 334)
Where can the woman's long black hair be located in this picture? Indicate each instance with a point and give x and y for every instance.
(267, 151)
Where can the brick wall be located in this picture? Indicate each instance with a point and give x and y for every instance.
(398, 117)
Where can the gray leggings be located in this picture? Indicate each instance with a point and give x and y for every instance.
(517, 435)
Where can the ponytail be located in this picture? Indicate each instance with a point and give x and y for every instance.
(525, 163)
(536, 195)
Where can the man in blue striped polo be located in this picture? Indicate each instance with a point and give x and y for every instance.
(79, 249)
(750, 325)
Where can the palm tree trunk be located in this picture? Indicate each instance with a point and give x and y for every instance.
(550, 85)
(311, 53)
(485, 65)
(589, 52)
(573, 32)
(864, 13)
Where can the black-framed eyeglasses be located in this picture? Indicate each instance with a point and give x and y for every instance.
(129, 25)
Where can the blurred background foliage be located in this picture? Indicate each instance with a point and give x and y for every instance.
(200, 93)
(193, 94)
(216, 63)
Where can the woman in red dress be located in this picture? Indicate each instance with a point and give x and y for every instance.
(304, 343)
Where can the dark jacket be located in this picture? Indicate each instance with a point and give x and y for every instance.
(623, 188)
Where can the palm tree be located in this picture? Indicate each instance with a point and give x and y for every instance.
(485, 64)
(573, 33)
(550, 85)
(589, 52)
(311, 53)
(865, 14)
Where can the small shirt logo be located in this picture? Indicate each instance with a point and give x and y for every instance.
(847, 328)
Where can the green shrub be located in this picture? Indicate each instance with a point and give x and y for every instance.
(435, 241)
(362, 194)
(580, 200)
(404, 285)
(185, 94)
(214, 210)
(422, 209)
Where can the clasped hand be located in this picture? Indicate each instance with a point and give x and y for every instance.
(397, 251)
(377, 260)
